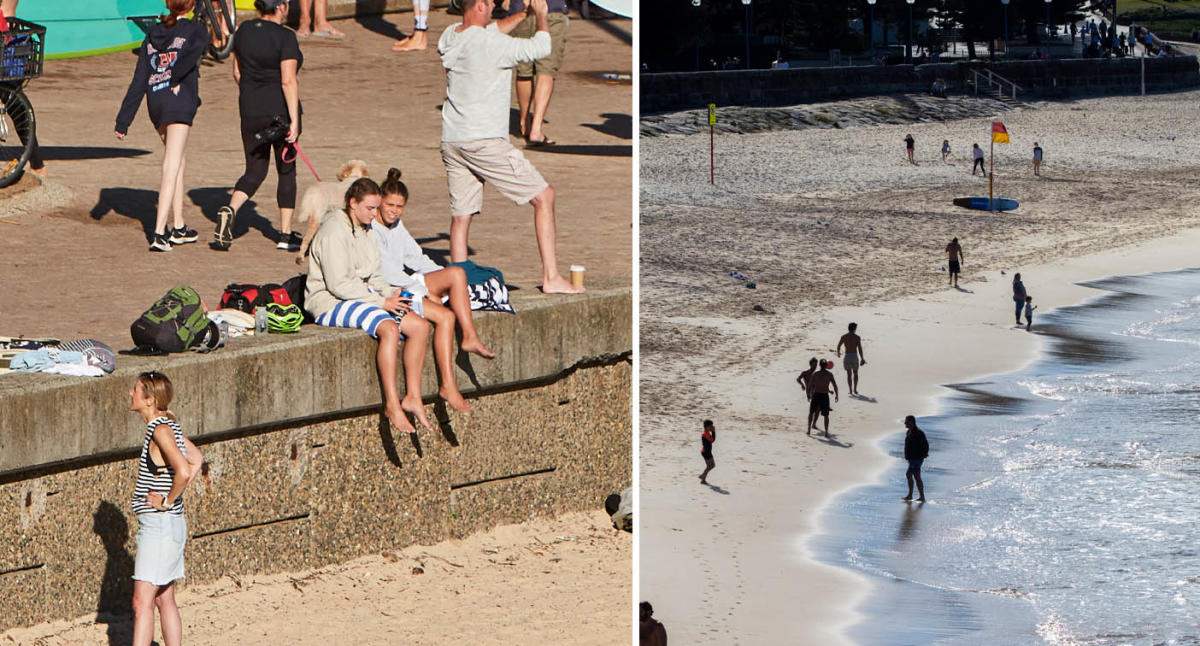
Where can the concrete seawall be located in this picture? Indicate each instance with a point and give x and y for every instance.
(299, 472)
(1039, 79)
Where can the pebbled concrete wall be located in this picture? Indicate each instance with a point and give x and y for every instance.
(299, 471)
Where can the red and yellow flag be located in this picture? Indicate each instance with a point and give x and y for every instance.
(999, 134)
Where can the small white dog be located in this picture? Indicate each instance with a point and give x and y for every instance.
(325, 197)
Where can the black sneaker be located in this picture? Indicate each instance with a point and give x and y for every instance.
(290, 242)
(223, 237)
(160, 242)
(183, 235)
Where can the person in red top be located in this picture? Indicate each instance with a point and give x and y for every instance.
(707, 437)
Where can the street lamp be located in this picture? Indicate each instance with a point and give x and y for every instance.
(1005, 3)
(1047, 19)
(909, 47)
(746, 3)
(871, 34)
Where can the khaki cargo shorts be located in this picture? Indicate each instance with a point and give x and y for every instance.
(558, 44)
(471, 164)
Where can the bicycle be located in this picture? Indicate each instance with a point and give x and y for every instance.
(21, 56)
(216, 16)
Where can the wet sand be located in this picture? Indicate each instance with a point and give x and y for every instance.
(835, 226)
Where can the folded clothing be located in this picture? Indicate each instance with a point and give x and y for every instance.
(95, 353)
(81, 358)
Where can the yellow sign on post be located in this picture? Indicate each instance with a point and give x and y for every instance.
(712, 114)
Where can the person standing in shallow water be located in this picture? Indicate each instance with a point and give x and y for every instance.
(1018, 296)
(916, 449)
(707, 437)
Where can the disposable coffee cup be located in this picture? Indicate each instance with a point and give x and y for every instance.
(577, 275)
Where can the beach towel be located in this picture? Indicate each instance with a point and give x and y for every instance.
(486, 287)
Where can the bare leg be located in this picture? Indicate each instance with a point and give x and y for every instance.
(460, 227)
(920, 487)
(443, 353)
(524, 98)
(320, 22)
(385, 358)
(285, 220)
(543, 224)
(305, 26)
(168, 616)
(453, 281)
(143, 612)
(812, 419)
(704, 476)
(175, 137)
(239, 198)
(826, 424)
(416, 332)
(542, 89)
(417, 41)
(177, 198)
(909, 478)
(854, 383)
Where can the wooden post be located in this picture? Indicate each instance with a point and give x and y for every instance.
(712, 154)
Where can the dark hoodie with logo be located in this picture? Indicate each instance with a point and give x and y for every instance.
(169, 58)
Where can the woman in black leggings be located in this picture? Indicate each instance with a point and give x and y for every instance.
(266, 60)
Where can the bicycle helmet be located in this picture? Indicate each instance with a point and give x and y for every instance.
(283, 318)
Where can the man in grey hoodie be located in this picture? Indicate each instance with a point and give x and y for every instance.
(478, 56)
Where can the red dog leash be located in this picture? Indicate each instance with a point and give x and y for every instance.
(296, 146)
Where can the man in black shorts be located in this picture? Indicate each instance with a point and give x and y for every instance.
(954, 250)
(707, 437)
(818, 393)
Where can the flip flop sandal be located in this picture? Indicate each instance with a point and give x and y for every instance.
(539, 144)
(327, 33)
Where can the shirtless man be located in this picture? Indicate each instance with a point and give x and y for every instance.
(854, 357)
(818, 394)
(806, 376)
(954, 250)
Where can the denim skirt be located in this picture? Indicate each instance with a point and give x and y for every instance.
(160, 541)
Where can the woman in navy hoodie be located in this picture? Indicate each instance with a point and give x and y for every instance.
(168, 75)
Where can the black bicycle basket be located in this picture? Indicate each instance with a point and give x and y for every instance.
(21, 50)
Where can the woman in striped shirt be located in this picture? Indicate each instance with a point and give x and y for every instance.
(167, 463)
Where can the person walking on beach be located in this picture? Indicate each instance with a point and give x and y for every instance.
(166, 466)
(418, 39)
(535, 80)
(854, 357)
(908, 146)
(1018, 296)
(707, 437)
(818, 395)
(475, 147)
(977, 153)
(806, 376)
(916, 449)
(945, 150)
(1029, 307)
(168, 76)
(651, 632)
(1037, 159)
(954, 250)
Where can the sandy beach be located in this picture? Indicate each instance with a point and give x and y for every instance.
(565, 580)
(834, 226)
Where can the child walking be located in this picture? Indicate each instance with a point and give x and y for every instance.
(1029, 307)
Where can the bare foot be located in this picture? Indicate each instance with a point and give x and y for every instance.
(399, 420)
(921, 499)
(477, 347)
(329, 30)
(907, 499)
(560, 285)
(417, 41)
(413, 404)
(401, 45)
(40, 172)
(455, 399)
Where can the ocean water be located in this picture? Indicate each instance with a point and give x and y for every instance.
(1064, 498)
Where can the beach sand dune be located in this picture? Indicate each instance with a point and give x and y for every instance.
(834, 225)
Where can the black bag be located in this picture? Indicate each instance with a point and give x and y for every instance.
(275, 133)
(174, 323)
(246, 297)
(295, 290)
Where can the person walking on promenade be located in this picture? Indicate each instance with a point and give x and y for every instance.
(419, 38)
(168, 76)
(916, 449)
(266, 60)
(313, 21)
(977, 153)
(806, 376)
(908, 148)
(345, 288)
(955, 252)
(854, 356)
(1029, 307)
(1018, 296)
(477, 58)
(707, 437)
(1037, 159)
(167, 463)
(535, 80)
(429, 284)
(818, 395)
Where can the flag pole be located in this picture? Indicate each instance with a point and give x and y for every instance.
(992, 172)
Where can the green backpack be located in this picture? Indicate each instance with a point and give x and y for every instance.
(176, 322)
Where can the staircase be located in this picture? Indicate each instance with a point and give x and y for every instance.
(996, 86)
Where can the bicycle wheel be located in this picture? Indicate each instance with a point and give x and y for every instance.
(16, 133)
(220, 19)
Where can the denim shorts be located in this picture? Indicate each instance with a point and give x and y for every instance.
(160, 541)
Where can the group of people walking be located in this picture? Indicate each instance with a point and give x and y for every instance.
(977, 155)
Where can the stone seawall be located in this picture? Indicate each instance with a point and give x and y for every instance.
(1038, 79)
(299, 471)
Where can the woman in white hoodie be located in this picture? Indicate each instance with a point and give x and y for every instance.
(346, 289)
